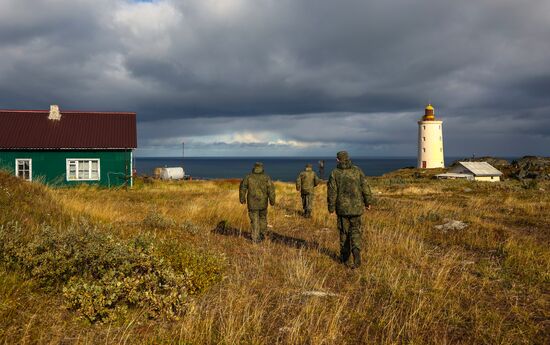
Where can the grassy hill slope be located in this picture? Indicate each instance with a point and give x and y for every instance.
(486, 283)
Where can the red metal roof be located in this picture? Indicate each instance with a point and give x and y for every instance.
(31, 129)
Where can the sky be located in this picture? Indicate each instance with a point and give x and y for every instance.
(289, 77)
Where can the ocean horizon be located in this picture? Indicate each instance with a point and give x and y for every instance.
(279, 168)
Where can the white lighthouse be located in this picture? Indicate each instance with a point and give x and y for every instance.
(430, 141)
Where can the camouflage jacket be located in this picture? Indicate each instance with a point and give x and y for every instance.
(348, 191)
(256, 190)
(307, 181)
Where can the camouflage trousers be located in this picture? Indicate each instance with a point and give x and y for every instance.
(350, 235)
(307, 202)
(258, 222)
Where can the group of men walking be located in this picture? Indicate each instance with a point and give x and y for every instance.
(348, 194)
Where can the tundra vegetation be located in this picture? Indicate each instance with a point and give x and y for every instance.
(172, 262)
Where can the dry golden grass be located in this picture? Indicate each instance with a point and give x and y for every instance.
(487, 283)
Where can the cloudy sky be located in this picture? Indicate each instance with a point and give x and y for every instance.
(289, 77)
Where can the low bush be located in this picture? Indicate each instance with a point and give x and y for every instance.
(190, 227)
(529, 184)
(156, 221)
(101, 276)
(201, 269)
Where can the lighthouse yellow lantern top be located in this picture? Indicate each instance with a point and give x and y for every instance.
(429, 113)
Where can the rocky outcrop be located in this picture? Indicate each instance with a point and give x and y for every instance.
(531, 167)
(528, 167)
(451, 225)
(496, 162)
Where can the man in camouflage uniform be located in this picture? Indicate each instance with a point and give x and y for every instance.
(349, 195)
(305, 184)
(256, 190)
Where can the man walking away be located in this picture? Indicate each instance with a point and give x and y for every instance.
(349, 195)
(322, 168)
(256, 190)
(305, 184)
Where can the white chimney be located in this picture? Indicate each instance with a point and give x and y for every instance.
(54, 113)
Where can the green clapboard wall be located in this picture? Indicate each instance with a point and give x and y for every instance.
(50, 167)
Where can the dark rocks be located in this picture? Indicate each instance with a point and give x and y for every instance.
(528, 167)
(496, 162)
(531, 167)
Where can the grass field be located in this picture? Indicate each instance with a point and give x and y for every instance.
(485, 284)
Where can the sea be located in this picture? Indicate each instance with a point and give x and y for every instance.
(279, 168)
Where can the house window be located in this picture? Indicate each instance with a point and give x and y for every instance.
(423, 149)
(83, 170)
(424, 127)
(23, 169)
(423, 138)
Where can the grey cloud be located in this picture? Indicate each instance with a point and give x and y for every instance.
(350, 72)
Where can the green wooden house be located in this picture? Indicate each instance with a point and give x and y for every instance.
(68, 147)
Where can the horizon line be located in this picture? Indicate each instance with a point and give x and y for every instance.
(306, 156)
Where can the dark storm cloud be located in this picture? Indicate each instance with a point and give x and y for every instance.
(309, 75)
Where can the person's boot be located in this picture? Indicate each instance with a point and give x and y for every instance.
(344, 258)
(356, 258)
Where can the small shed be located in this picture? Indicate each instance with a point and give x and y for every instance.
(475, 171)
(68, 147)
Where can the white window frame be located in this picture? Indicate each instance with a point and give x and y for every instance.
(67, 162)
(131, 169)
(17, 167)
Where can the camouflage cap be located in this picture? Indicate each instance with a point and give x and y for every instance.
(342, 156)
(258, 165)
(309, 165)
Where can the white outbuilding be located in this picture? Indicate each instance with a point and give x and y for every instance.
(475, 171)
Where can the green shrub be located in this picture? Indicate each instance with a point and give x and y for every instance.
(101, 276)
(190, 227)
(157, 221)
(529, 184)
(202, 269)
